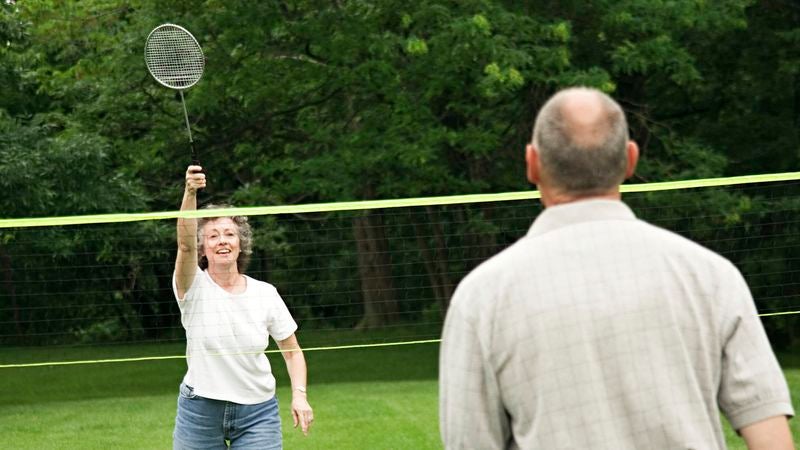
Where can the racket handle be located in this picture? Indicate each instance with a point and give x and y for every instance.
(195, 159)
(196, 162)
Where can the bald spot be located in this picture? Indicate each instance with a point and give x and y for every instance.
(586, 115)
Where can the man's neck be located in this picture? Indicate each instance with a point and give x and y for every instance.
(554, 198)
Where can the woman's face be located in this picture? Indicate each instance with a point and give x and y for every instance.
(221, 242)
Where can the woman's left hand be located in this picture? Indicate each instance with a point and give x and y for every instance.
(302, 412)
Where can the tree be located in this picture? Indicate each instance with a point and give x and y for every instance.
(313, 101)
(52, 166)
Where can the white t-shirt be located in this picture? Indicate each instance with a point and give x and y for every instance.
(226, 335)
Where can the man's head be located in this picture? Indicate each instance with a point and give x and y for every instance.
(580, 145)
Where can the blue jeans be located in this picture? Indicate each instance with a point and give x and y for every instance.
(203, 423)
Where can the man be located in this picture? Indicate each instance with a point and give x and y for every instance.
(598, 330)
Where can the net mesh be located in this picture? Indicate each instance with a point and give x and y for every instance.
(349, 277)
(174, 57)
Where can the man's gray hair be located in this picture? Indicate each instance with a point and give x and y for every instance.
(587, 161)
(245, 238)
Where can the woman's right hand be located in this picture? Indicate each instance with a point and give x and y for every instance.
(195, 179)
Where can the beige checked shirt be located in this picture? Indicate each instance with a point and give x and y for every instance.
(599, 331)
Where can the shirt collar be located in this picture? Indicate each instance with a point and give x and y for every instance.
(582, 211)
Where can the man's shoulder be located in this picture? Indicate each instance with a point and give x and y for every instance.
(672, 241)
(495, 268)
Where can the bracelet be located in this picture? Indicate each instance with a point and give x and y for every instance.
(300, 388)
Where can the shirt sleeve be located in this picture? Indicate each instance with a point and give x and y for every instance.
(189, 292)
(471, 413)
(752, 385)
(280, 324)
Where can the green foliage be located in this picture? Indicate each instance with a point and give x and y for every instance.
(317, 101)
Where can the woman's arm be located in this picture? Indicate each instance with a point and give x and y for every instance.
(296, 366)
(186, 261)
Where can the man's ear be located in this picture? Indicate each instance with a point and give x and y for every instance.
(633, 159)
(532, 169)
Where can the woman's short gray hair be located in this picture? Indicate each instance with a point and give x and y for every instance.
(245, 238)
(576, 164)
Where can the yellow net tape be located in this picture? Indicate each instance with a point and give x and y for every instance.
(310, 349)
(376, 204)
(159, 358)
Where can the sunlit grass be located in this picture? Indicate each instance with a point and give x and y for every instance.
(365, 398)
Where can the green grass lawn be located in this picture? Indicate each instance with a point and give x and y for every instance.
(379, 398)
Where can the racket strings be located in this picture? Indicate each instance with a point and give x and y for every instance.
(174, 57)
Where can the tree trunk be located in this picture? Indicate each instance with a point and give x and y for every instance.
(435, 259)
(9, 289)
(374, 268)
(129, 296)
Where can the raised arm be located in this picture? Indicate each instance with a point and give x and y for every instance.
(186, 261)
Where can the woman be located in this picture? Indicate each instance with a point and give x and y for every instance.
(228, 392)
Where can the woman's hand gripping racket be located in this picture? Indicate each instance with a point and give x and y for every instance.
(175, 60)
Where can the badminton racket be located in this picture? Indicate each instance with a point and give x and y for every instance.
(175, 60)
